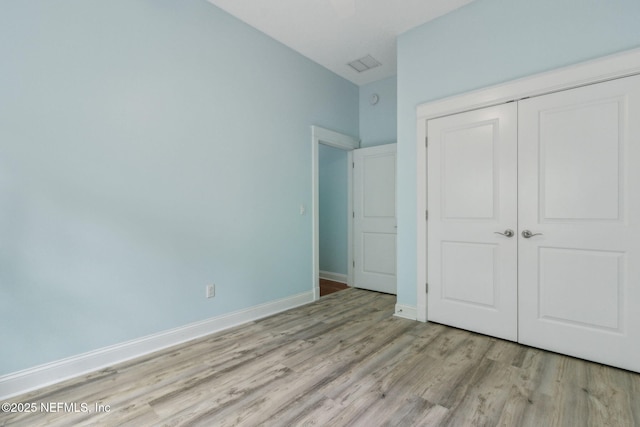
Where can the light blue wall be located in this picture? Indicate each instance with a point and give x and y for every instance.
(148, 148)
(378, 123)
(485, 43)
(333, 215)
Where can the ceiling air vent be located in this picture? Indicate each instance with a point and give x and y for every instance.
(365, 63)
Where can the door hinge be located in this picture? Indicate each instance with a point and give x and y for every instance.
(353, 165)
(353, 214)
(426, 141)
(426, 215)
(426, 286)
(354, 264)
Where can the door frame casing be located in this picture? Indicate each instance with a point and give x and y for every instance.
(610, 67)
(320, 135)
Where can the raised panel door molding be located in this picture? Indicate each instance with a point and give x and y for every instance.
(578, 280)
(472, 198)
(374, 218)
(571, 247)
(598, 70)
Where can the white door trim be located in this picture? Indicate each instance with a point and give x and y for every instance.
(607, 68)
(348, 143)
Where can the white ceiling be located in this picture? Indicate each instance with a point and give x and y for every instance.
(336, 32)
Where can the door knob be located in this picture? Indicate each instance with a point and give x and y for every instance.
(527, 234)
(508, 232)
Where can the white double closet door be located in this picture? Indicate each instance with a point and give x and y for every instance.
(534, 221)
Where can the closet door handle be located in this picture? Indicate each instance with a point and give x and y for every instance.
(527, 234)
(508, 232)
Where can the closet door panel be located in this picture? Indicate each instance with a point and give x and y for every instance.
(472, 176)
(579, 191)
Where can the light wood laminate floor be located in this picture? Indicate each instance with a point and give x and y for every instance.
(346, 361)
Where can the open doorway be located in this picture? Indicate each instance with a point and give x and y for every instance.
(333, 200)
(334, 148)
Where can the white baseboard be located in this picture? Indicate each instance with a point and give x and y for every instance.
(336, 277)
(50, 373)
(406, 312)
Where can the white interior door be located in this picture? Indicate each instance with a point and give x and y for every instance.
(472, 197)
(374, 218)
(579, 188)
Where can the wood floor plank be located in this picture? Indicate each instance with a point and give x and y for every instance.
(342, 336)
(603, 391)
(345, 360)
(401, 411)
(319, 371)
(452, 381)
(629, 383)
(357, 376)
(539, 410)
(317, 413)
(210, 403)
(418, 412)
(507, 352)
(484, 397)
(402, 371)
(228, 380)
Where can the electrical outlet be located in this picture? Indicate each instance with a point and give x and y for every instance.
(210, 291)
